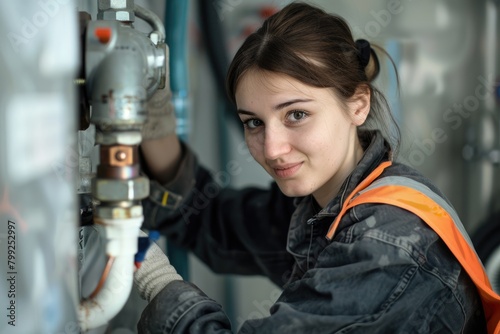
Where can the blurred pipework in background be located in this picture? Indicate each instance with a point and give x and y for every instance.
(64, 160)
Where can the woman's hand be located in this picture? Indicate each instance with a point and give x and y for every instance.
(154, 273)
(160, 146)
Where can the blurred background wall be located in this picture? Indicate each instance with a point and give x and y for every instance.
(38, 212)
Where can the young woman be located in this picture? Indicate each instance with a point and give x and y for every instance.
(314, 122)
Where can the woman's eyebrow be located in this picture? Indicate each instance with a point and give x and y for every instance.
(289, 103)
(277, 107)
(245, 112)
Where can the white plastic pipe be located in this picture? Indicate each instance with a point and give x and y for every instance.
(121, 235)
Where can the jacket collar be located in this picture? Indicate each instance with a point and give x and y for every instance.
(301, 233)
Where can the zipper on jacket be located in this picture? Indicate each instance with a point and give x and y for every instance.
(310, 222)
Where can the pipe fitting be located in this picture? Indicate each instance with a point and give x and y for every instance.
(118, 15)
(113, 212)
(119, 155)
(110, 190)
(122, 173)
(118, 138)
(121, 74)
(116, 10)
(115, 4)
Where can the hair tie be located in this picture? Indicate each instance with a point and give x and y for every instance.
(364, 52)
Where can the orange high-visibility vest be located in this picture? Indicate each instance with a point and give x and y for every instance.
(417, 198)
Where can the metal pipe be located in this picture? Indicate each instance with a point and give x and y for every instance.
(176, 18)
(123, 69)
(152, 19)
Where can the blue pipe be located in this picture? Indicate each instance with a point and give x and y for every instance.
(176, 24)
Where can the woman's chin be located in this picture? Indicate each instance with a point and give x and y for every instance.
(293, 191)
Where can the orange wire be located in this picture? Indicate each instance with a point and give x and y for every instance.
(104, 276)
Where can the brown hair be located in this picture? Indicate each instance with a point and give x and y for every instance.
(317, 49)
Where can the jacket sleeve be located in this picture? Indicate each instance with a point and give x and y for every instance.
(183, 308)
(232, 231)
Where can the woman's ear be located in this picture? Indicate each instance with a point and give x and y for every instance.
(359, 105)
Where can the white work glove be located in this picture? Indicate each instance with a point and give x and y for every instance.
(160, 110)
(154, 273)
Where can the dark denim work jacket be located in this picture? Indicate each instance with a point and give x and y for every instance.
(385, 271)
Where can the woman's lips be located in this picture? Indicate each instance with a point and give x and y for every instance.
(286, 170)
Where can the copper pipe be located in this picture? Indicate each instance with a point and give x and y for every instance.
(122, 173)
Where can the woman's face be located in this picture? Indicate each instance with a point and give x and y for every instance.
(300, 134)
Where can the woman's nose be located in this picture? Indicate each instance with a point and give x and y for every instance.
(276, 143)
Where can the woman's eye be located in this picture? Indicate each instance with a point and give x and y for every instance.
(252, 123)
(296, 115)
